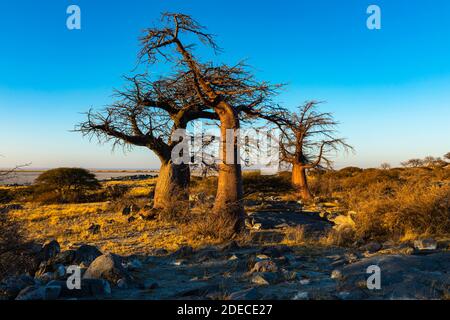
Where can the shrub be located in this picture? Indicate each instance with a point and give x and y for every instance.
(5, 196)
(65, 185)
(16, 256)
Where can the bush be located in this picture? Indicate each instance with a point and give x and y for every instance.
(5, 196)
(65, 185)
(16, 256)
(390, 204)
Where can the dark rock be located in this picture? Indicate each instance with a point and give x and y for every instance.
(402, 277)
(122, 284)
(126, 211)
(52, 292)
(184, 252)
(425, 246)
(371, 247)
(201, 291)
(94, 229)
(276, 251)
(90, 288)
(231, 246)
(160, 252)
(207, 254)
(49, 250)
(149, 215)
(265, 278)
(32, 293)
(108, 266)
(11, 286)
(247, 294)
(131, 219)
(134, 265)
(264, 266)
(86, 254)
(149, 285)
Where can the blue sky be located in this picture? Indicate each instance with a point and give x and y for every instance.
(389, 88)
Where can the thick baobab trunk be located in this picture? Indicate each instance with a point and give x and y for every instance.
(228, 202)
(300, 182)
(172, 185)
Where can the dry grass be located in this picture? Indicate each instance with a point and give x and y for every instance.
(394, 204)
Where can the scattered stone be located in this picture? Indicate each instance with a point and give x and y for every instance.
(45, 277)
(371, 247)
(134, 265)
(150, 285)
(94, 229)
(248, 294)
(201, 291)
(259, 280)
(31, 293)
(11, 286)
(262, 257)
(60, 271)
(343, 295)
(302, 295)
(350, 257)
(126, 210)
(231, 246)
(305, 282)
(52, 292)
(233, 257)
(403, 277)
(425, 245)
(49, 250)
(336, 274)
(122, 284)
(160, 252)
(264, 266)
(276, 251)
(86, 254)
(131, 219)
(108, 266)
(90, 288)
(184, 252)
(151, 214)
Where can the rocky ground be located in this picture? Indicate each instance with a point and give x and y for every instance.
(263, 268)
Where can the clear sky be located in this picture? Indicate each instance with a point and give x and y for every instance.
(389, 88)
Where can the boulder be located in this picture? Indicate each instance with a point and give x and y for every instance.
(371, 247)
(108, 266)
(90, 288)
(264, 266)
(32, 293)
(425, 245)
(402, 277)
(49, 250)
(86, 254)
(11, 286)
(265, 278)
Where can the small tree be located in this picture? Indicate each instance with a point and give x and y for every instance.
(447, 156)
(413, 163)
(226, 90)
(385, 166)
(308, 138)
(67, 183)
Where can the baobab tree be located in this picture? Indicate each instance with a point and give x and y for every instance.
(226, 90)
(146, 114)
(308, 139)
